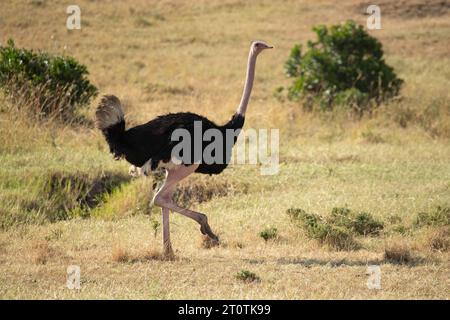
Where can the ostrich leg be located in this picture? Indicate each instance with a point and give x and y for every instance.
(164, 198)
(168, 252)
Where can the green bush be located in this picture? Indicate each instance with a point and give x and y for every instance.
(43, 84)
(247, 276)
(344, 66)
(269, 233)
(334, 236)
(358, 222)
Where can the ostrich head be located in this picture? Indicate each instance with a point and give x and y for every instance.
(258, 46)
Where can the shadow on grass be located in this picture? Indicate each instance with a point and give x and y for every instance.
(334, 263)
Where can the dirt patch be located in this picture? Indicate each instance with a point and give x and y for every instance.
(409, 9)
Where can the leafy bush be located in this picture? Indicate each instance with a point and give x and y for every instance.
(359, 222)
(335, 237)
(247, 276)
(344, 66)
(269, 233)
(314, 225)
(43, 84)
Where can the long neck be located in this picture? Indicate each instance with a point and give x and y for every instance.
(248, 84)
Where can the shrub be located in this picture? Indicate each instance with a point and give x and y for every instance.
(339, 238)
(335, 237)
(295, 213)
(344, 66)
(439, 217)
(247, 276)
(314, 225)
(361, 223)
(269, 233)
(43, 84)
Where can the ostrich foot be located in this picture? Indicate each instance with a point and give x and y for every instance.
(205, 229)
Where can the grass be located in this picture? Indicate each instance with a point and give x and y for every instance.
(397, 253)
(247, 276)
(40, 252)
(440, 239)
(119, 254)
(393, 163)
(440, 216)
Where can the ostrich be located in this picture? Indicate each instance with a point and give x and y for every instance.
(149, 146)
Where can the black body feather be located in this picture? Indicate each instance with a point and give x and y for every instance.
(152, 140)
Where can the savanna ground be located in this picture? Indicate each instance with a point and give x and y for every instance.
(65, 201)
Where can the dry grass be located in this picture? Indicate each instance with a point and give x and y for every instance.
(440, 239)
(398, 253)
(169, 56)
(119, 254)
(204, 189)
(208, 243)
(122, 254)
(40, 252)
(151, 254)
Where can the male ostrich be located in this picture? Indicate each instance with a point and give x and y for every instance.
(149, 146)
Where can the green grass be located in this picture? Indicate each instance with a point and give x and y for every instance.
(440, 216)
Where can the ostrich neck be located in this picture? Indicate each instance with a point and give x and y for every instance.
(248, 84)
